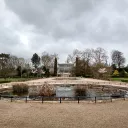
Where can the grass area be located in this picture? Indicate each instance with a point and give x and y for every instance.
(2, 80)
(119, 79)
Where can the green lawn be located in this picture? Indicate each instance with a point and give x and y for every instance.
(2, 80)
(118, 79)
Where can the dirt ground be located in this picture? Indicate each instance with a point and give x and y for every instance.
(65, 115)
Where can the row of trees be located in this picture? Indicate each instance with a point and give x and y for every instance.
(46, 62)
(90, 62)
(97, 56)
(11, 65)
(93, 62)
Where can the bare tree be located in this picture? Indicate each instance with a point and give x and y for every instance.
(86, 60)
(48, 59)
(27, 66)
(118, 58)
(99, 55)
(21, 63)
(72, 58)
(14, 61)
(7, 64)
(82, 60)
(87, 55)
(53, 56)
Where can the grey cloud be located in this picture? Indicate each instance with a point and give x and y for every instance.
(8, 39)
(121, 7)
(60, 26)
(72, 19)
(54, 17)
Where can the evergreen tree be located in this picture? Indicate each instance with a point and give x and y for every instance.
(35, 60)
(77, 67)
(55, 67)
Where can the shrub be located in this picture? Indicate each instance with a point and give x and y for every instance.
(46, 90)
(124, 81)
(20, 89)
(80, 91)
(116, 73)
(115, 76)
(24, 75)
(88, 76)
(123, 73)
(5, 81)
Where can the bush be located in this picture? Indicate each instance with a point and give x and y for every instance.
(124, 81)
(116, 73)
(25, 75)
(20, 89)
(5, 81)
(80, 91)
(87, 76)
(123, 73)
(112, 76)
(46, 90)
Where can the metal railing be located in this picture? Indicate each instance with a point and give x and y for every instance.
(78, 99)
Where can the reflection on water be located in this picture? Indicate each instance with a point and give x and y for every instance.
(65, 92)
(70, 91)
(92, 93)
(89, 92)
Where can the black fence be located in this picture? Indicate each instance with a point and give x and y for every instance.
(78, 99)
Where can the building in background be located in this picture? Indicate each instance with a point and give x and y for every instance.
(64, 69)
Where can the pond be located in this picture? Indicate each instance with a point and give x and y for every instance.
(92, 92)
(73, 91)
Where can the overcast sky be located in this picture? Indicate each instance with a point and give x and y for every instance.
(60, 26)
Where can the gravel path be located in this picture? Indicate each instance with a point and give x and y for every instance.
(52, 80)
(65, 115)
(80, 81)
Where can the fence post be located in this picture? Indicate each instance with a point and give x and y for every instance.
(42, 99)
(11, 98)
(111, 99)
(60, 99)
(78, 100)
(124, 97)
(26, 100)
(95, 99)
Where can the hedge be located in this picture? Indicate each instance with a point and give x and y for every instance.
(124, 81)
(20, 89)
(5, 81)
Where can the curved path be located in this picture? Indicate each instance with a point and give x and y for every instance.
(80, 81)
